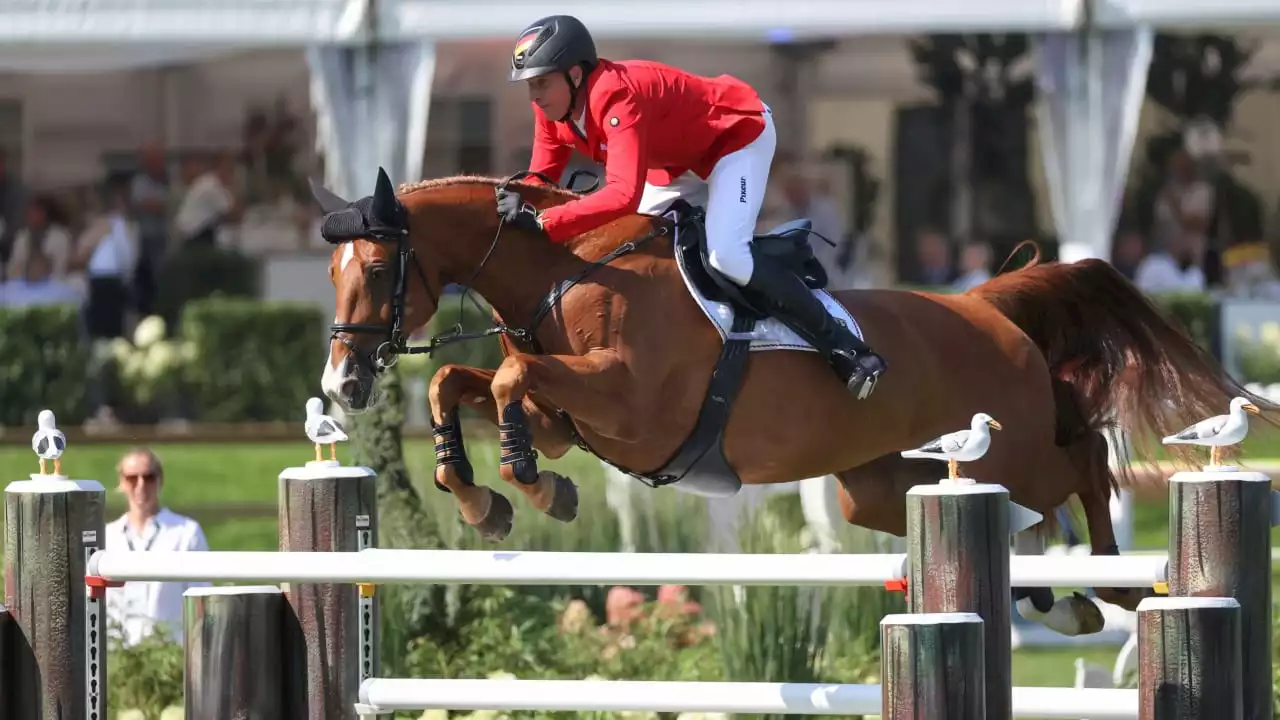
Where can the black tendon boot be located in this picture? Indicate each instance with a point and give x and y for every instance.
(792, 302)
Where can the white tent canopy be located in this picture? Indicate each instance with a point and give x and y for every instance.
(373, 104)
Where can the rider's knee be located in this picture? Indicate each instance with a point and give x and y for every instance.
(734, 263)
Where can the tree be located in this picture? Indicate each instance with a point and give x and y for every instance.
(984, 84)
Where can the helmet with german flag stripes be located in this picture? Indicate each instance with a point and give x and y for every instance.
(552, 44)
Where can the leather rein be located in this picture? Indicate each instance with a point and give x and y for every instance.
(388, 352)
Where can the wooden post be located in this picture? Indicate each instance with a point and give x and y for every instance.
(958, 545)
(1220, 546)
(326, 507)
(59, 663)
(932, 667)
(1189, 659)
(234, 652)
(6, 663)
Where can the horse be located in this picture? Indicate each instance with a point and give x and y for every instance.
(609, 346)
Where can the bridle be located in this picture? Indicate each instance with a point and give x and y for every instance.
(396, 344)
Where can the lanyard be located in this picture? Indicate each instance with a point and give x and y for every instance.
(149, 542)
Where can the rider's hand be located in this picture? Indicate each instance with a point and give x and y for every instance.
(516, 212)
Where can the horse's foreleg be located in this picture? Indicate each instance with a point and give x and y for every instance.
(453, 385)
(587, 387)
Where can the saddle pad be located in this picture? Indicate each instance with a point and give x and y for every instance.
(769, 333)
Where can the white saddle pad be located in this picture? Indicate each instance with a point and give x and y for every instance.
(769, 333)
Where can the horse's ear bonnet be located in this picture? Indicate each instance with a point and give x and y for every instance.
(380, 216)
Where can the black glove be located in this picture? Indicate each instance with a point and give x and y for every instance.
(515, 212)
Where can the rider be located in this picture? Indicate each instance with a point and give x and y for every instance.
(662, 133)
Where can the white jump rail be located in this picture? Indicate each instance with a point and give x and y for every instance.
(386, 695)
(484, 567)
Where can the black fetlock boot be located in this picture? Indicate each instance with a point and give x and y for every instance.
(792, 302)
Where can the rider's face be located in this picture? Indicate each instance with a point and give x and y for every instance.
(551, 92)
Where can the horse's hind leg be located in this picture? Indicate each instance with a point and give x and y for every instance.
(483, 508)
(1091, 456)
(1072, 615)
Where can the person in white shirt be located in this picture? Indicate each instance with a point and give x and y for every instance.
(208, 203)
(135, 610)
(1176, 268)
(106, 249)
(45, 234)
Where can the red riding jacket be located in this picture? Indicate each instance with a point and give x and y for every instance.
(645, 122)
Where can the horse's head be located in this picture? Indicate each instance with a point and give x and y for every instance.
(382, 291)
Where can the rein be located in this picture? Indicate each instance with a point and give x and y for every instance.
(527, 334)
(386, 354)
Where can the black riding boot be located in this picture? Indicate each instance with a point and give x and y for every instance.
(792, 302)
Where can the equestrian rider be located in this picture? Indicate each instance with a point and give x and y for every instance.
(662, 133)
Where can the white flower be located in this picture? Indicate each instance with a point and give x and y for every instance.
(160, 358)
(149, 331)
(120, 349)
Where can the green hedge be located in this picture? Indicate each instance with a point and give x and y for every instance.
(258, 361)
(43, 359)
(252, 360)
(201, 271)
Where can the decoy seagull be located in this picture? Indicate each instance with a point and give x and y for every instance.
(959, 446)
(48, 442)
(1219, 430)
(323, 429)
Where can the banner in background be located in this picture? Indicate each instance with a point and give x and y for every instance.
(371, 106)
(1090, 87)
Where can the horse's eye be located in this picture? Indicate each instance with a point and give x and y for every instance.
(376, 271)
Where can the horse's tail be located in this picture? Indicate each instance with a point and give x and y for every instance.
(1116, 358)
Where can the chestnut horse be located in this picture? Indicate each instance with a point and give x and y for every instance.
(606, 348)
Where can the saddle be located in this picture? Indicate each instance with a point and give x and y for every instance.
(787, 244)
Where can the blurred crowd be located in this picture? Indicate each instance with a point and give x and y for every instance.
(105, 247)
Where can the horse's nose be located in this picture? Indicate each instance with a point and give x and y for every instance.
(350, 385)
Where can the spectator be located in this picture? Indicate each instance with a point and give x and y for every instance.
(1174, 268)
(1128, 251)
(1185, 204)
(139, 607)
(149, 194)
(39, 287)
(934, 258)
(975, 266)
(208, 202)
(106, 250)
(11, 211)
(45, 233)
(806, 196)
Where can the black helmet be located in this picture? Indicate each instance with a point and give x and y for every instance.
(552, 44)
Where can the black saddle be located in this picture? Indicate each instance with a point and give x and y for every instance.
(787, 243)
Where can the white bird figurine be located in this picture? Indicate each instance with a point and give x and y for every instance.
(1218, 431)
(959, 446)
(48, 442)
(323, 429)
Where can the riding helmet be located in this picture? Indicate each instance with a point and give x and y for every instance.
(552, 44)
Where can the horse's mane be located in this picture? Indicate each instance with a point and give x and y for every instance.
(543, 191)
(594, 242)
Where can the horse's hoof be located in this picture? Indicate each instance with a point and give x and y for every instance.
(1070, 616)
(496, 524)
(564, 503)
(1087, 614)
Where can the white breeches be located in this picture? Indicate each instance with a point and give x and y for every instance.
(732, 196)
